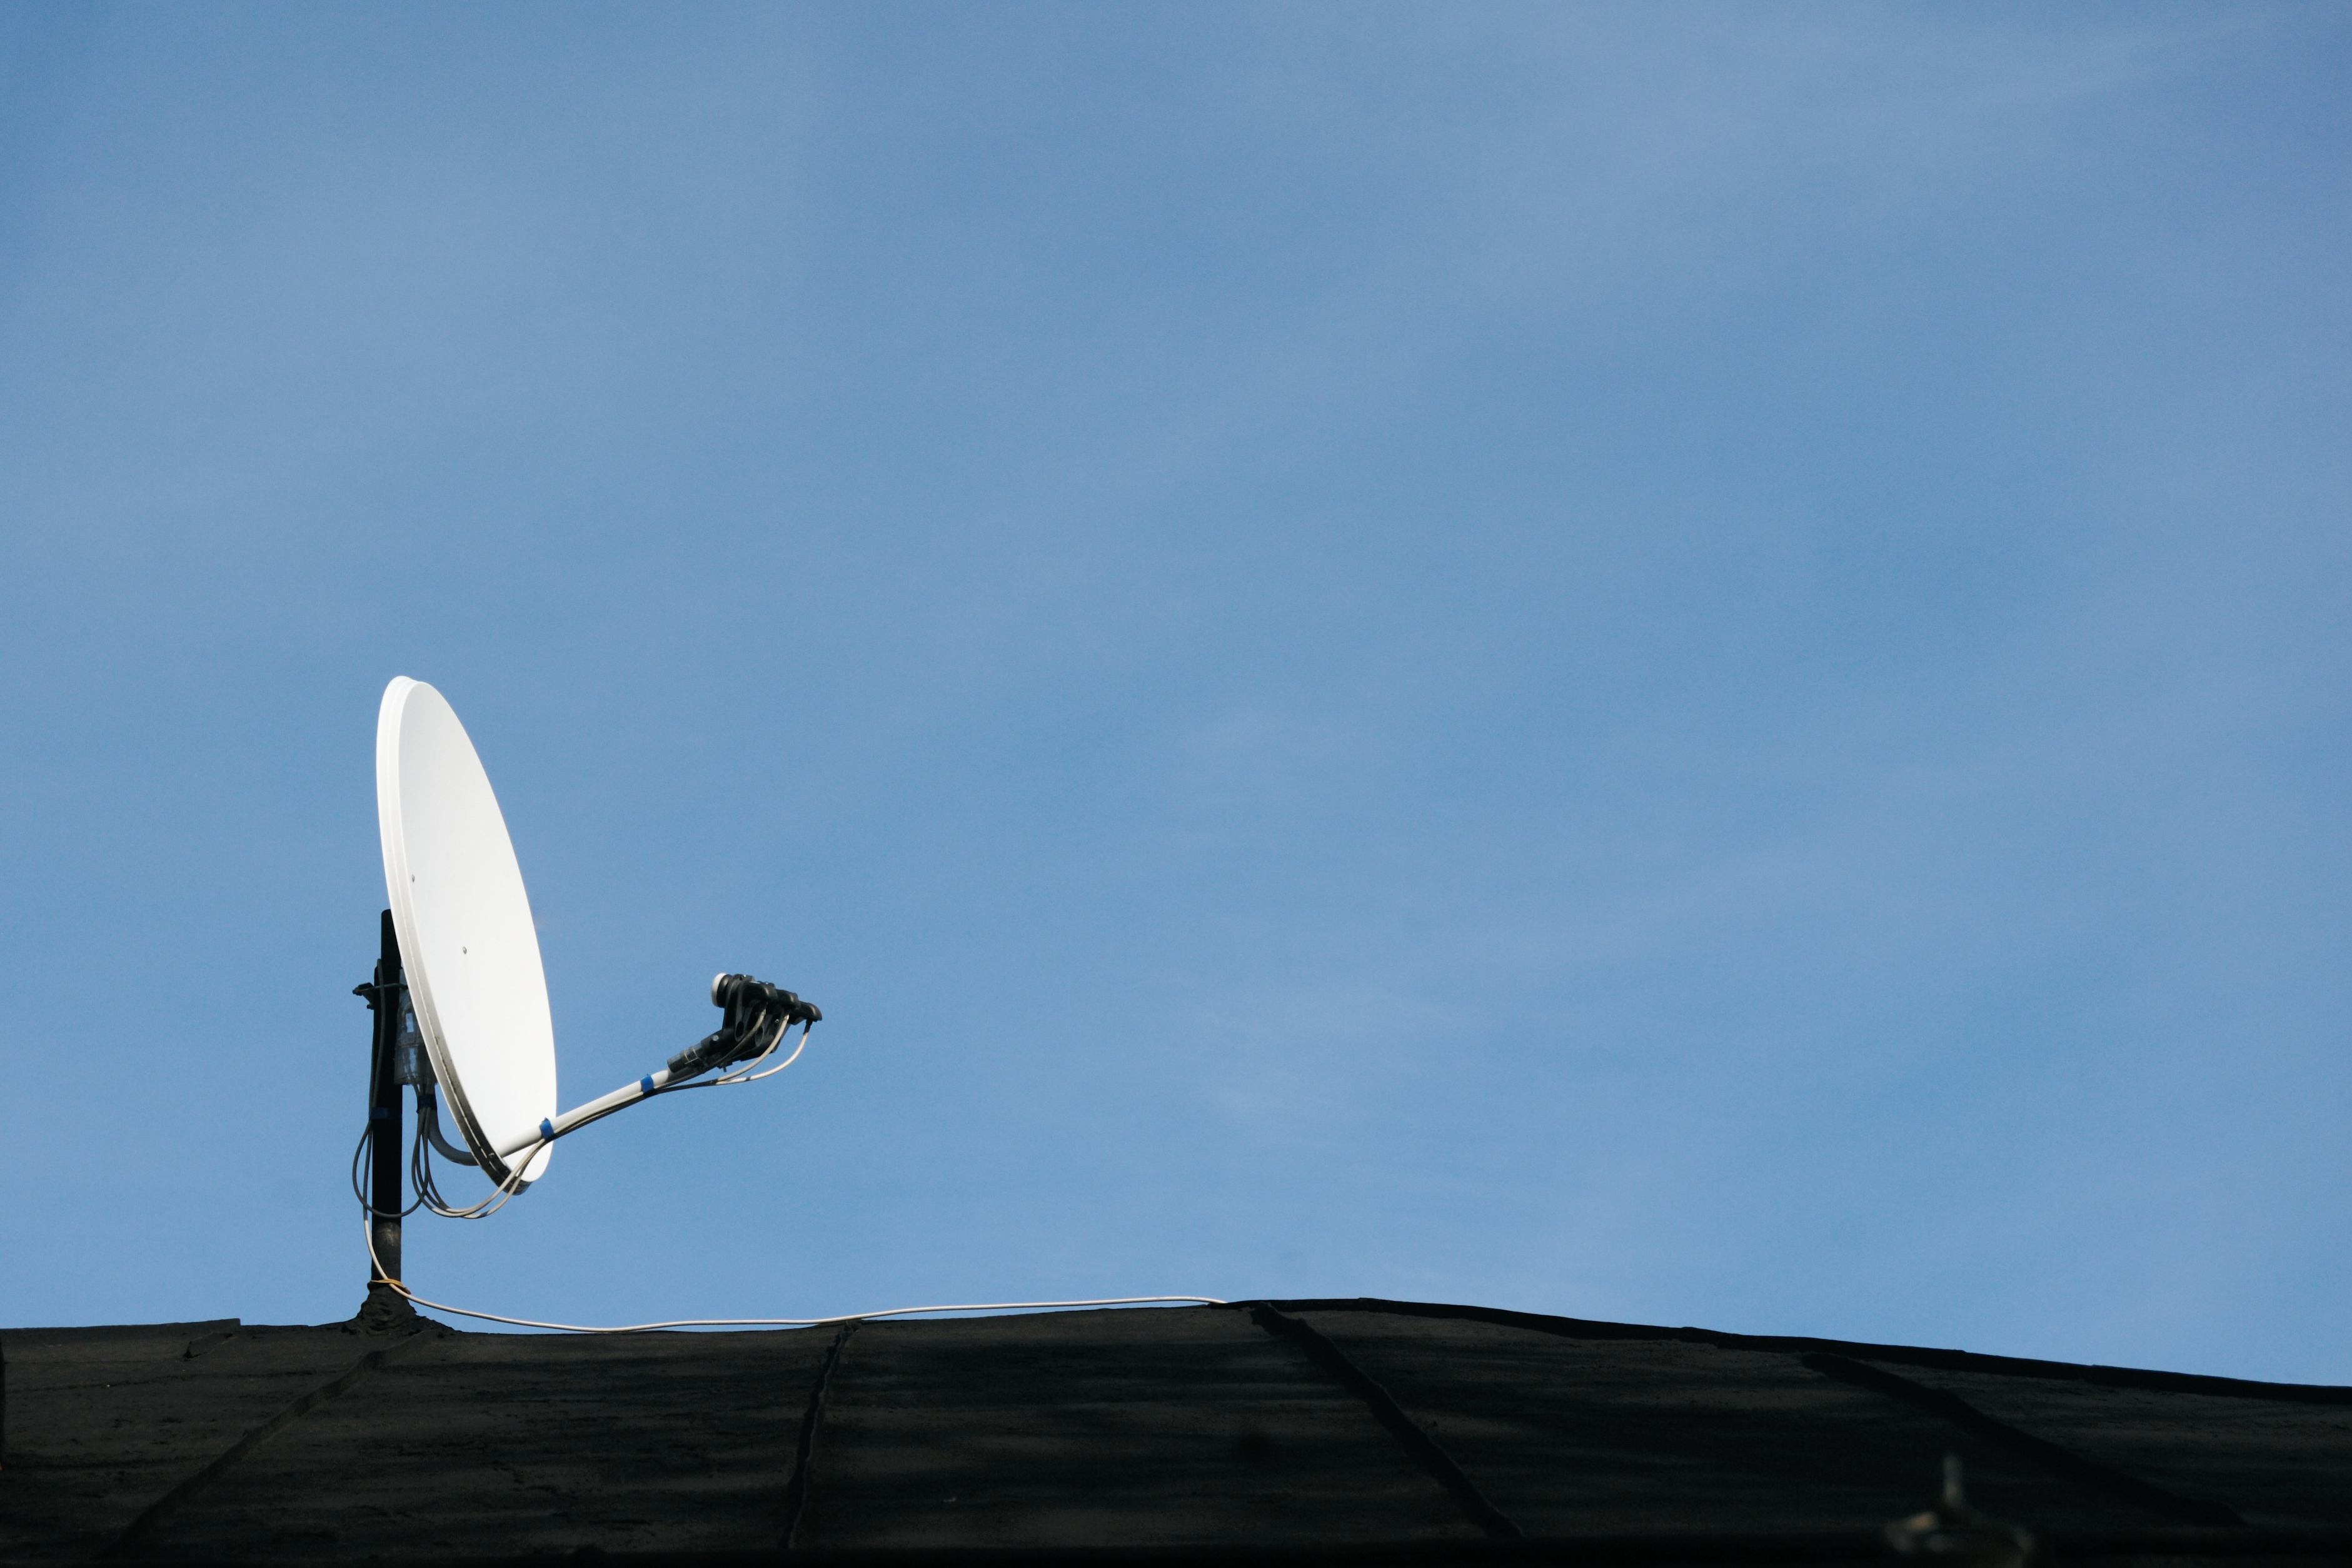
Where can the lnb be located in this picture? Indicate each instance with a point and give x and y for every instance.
(757, 1015)
(744, 997)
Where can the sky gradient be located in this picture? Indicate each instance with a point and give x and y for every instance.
(1682, 665)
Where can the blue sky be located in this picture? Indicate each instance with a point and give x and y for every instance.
(1682, 665)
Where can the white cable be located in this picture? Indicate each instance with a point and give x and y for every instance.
(773, 1322)
(522, 1158)
(747, 1076)
(730, 1075)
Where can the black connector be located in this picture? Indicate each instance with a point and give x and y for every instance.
(744, 998)
(755, 1014)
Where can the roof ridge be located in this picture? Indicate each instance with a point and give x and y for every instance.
(1905, 1355)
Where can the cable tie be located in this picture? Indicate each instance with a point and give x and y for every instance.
(647, 1083)
(546, 1128)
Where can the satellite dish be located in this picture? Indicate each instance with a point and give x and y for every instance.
(460, 998)
(460, 1004)
(466, 941)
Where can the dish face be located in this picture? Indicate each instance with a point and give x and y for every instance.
(466, 941)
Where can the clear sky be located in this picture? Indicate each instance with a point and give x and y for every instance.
(1681, 665)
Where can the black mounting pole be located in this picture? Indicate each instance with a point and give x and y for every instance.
(388, 999)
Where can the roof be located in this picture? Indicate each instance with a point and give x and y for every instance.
(1394, 1430)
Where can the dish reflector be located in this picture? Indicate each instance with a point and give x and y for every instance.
(466, 941)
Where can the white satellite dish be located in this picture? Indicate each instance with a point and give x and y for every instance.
(459, 994)
(466, 934)
(460, 1005)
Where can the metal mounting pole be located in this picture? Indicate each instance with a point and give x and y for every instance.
(387, 998)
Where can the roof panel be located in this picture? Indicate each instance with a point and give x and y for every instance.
(1269, 1427)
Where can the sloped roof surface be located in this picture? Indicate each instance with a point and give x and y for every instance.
(1396, 1428)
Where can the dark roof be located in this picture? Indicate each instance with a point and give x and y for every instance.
(1370, 1429)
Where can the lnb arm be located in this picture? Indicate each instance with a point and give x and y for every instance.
(755, 1016)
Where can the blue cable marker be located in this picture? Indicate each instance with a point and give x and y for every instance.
(647, 1083)
(546, 1128)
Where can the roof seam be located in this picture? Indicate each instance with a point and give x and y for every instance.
(797, 1491)
(1393, 1415)
(149, 1518)
(2061, 1460)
